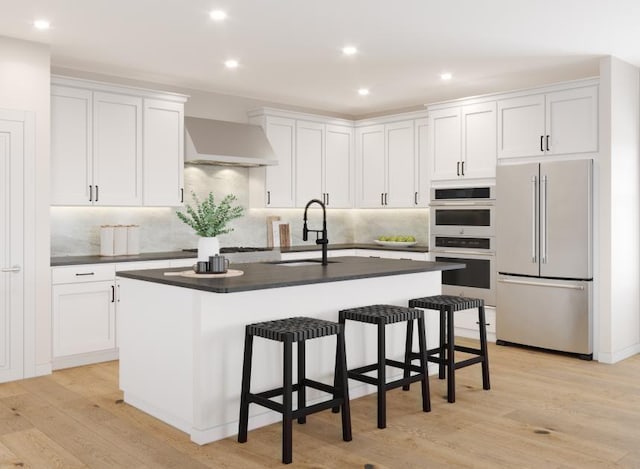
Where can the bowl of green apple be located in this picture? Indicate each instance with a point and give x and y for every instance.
(397, 241)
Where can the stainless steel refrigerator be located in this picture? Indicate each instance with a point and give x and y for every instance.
(544, 255)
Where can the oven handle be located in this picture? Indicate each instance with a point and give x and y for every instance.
(462, 253)
(440, 203)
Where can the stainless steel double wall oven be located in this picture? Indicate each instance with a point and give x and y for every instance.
(463, 230)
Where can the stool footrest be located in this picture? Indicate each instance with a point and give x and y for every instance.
(319, 407)
(468, 362)
(319, 386)
(265, 402)
(462, 348)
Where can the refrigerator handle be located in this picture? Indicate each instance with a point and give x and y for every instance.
(542, 284)
(543, 219)
(534, 218)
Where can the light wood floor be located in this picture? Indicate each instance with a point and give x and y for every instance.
(543, 411)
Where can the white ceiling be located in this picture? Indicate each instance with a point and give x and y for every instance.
(290, 50)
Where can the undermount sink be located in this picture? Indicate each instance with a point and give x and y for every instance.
(300, 263)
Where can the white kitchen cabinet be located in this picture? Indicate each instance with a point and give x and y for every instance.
(387, 165)
(117, 149)
(163, 153)
(388, 254)
(338, 166)
(85, 307)
(310, 142)
(71, 146)
(97, 142)
(274, 186)
(401, 164)
(462, 142)
(556, 123)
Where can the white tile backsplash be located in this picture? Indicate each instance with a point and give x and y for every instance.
(76, 230)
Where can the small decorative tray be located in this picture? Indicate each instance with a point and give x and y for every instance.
(192, 274)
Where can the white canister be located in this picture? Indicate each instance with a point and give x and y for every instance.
(106, 240)
(133, 239)
(119, 240)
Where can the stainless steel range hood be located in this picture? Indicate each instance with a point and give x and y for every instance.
(224, 143)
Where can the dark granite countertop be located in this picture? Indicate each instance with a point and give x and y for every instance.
(158, 256)
(148, 256)
(260, 276)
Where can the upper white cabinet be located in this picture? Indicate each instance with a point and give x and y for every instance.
(277, 186)
(422, 175)
(556, 123)
(390, 157)
(163, 153)
(117, 149)
(115, 146)
(462, 141)
(315, 161)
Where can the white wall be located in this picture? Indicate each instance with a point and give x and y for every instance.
(24, 85)
(619, 212)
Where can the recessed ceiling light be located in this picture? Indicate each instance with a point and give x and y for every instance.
(349, 50)
(363, 91)
(41, 24)
(218, 15)
(446, 76)
(231, 63)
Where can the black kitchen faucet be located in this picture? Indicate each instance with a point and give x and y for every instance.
(323, 241)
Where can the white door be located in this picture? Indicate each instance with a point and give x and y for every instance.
(279, 185)
(371, 166)
(12, 154)
(479, 141)
(163, 154)
(400, 164)
(444, 143)
(71, 147)
(521, 127)
(309, 150)
(572, 121)
(338, 166)
(117, 149)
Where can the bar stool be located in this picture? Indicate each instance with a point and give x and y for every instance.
(447, 305)
(288, 331)
(381, 315)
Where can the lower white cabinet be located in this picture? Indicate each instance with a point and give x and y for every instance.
(386, 254)
(85, 307)
(84, 321)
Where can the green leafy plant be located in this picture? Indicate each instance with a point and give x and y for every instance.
(209, 219)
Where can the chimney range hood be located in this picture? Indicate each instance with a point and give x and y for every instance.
(224, 143)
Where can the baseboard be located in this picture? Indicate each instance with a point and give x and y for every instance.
(84, 359)
(43, 369)
(615, 357)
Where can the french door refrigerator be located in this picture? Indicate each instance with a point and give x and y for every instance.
(544, 255)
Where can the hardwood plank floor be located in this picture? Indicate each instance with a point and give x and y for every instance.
(543, 410)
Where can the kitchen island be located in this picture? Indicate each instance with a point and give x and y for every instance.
(181, 339)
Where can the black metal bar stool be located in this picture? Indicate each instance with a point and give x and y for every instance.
(381, 315)
(447, 305)
(298, 330)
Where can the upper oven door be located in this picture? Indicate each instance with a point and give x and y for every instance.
(484, 195)
(466, 220)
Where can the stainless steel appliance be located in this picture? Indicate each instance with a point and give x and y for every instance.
(544, 255)
(462, 230)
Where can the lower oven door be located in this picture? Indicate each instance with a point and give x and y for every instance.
(477, 280)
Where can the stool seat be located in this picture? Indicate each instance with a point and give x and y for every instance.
(294, 329)
(446, 302)
(381, 314)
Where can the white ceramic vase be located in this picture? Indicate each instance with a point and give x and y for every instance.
(208, 247)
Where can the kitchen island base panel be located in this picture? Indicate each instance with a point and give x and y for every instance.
(181, 349)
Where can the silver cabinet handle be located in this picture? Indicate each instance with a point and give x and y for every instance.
(90, 193)
(381, 198)
(542, 284)
(182, 195)
(543, 219)
(15, 268)
(327, 198)
(268, 197)
(415, 198)
(97, 192)
(534, 219)
(458, 168)
(462, 166)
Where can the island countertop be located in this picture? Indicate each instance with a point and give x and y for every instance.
(259, 276)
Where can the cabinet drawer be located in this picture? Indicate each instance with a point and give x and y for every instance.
(83, 273)
(468, 319)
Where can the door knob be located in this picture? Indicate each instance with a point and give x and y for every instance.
(15, 268)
